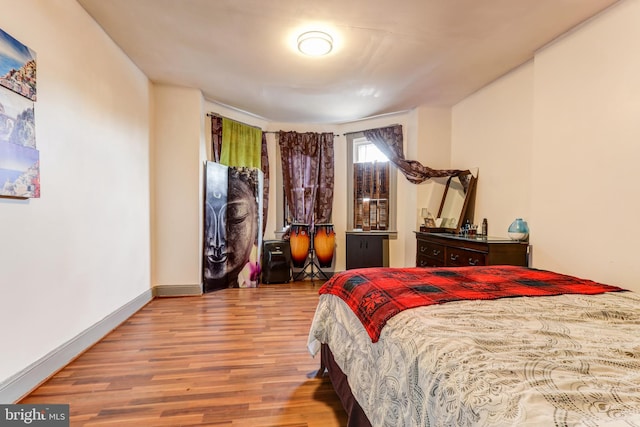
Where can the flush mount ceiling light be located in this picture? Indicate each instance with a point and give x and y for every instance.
(315, 43)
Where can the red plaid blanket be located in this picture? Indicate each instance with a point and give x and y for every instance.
(377, 294)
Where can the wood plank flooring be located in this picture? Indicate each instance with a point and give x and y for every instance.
(235, 357)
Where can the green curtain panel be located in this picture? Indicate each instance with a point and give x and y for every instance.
(241, 145)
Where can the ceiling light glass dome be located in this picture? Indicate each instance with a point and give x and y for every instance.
(315, 43)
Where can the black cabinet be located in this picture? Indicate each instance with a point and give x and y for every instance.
(367, 250)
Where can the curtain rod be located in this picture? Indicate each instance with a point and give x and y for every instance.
(228, 118)
(246, 124)
(278, 131)
(360, 131)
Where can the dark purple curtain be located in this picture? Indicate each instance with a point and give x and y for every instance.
(389, 141)
(216, 138)
(216, 146)
(308, 172)
(265, 176)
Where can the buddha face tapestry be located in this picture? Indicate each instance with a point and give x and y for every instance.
(232, 232)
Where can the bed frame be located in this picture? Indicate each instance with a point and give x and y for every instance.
(355, 415)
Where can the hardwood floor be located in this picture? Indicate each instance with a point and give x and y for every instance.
(235, 357)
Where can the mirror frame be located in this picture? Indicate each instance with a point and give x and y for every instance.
(467, 196)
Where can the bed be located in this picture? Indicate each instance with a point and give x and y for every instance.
(479, 346)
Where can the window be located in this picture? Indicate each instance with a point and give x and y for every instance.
(366, 151)
(371, 189)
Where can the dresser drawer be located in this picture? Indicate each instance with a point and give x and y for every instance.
(464, 257)
(452, 250)
(431, 250)
(423, 261)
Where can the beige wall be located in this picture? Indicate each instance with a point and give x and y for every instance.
(432, 127)
(557, 142)
(586, 149)
(81, 251)
(179, 153)
(492, 130)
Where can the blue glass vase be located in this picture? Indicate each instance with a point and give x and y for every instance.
(518, 230)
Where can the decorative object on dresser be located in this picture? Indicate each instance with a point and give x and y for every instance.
(450, 250)
(429, 221)
(519, 230)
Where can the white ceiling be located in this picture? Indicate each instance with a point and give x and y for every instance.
(389, 55)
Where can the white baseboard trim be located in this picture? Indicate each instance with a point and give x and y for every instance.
(20, 384)
(177, 290)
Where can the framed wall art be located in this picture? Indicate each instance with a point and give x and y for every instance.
(19, 158)
(17, 66)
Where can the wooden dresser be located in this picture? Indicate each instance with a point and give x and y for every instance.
(451, 250)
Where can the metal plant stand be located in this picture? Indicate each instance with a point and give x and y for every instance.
(311, 268)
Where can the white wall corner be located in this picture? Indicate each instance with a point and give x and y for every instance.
(19, 385)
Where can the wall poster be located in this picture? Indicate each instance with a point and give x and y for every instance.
(19, 158)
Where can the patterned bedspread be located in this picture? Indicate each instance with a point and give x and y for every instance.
(565, 360)
(377, 294)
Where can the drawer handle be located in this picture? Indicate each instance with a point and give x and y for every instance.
(435, 252)
(474, 261)
(423, 248)
(454, 257)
